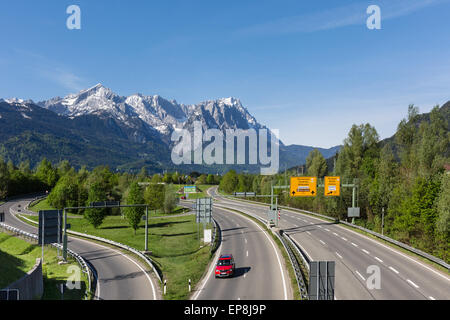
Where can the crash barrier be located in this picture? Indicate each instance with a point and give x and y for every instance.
(299, 275)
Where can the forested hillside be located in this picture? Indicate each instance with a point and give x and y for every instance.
(405, 175)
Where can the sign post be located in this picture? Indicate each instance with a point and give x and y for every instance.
(321, 280)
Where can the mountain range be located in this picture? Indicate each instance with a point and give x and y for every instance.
(97, 126)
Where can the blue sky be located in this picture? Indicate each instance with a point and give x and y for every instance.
(308, 68)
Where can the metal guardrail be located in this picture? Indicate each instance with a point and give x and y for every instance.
(376, 234)
(86, 269)
(32, 202)
(216, 236)
(295, 264)
(123, 246)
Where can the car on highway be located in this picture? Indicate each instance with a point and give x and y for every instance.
(225, 266)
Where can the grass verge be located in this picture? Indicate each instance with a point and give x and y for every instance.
(19, 256)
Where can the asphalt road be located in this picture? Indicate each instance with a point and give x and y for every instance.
(402, 277)
(260, 273)
(119, 276)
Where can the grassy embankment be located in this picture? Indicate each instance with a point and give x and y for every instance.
(19, 256)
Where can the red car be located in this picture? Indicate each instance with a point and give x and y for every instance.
(225, 266)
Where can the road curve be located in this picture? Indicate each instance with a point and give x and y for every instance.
(119, 277)
(260, 271)
(402, 276)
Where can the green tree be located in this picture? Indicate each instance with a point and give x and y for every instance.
(96, 193)
(229, 182)
(4, 179)
(154, 196)
(66, 192)
(134, 214)
(46, 173)
(201, 179)
(210, 179)
(170, 201)
(316, 164)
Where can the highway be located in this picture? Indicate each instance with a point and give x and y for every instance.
(402, 276)
(260, 271)
(119, 277)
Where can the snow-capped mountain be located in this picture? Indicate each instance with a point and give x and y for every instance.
(124, 132)
(160, 114)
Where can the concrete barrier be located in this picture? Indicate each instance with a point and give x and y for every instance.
(31, 285)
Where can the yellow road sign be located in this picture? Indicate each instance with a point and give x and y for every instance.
(303, 187)
(332, 186)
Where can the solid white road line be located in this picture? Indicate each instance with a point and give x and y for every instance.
(365, 251)
(322, 242)
(354, 244)
(339, 255)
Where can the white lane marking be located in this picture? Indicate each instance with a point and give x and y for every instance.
(354, 244)
(397, 252)
(311, 223)
(320, 227)
(295, 226)
(274, 248)
(384, 246)
(379, 259)
(339, 255)
(327, 229)
(344, 239)
(365, 251)
(359, 274)
(431, 298)
(394, 270)
(247, 253)
(412, 283)
(335, 234)
(108, 248)
(322, 242)
(245, 240)
(308, 232)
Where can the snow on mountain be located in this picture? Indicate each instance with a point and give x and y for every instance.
(159, 113)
